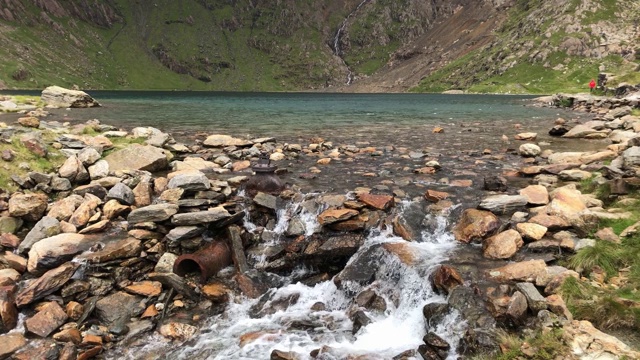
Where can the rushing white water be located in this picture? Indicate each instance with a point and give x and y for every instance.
(336, 39)
(298, 328)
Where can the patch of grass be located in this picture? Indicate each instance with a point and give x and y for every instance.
(543, 345)
(635, 112)
(123, 142)
(604, 254)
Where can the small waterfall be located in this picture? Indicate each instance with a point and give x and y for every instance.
(336, 40)
(301, 327)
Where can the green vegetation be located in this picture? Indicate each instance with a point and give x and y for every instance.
(23, 156)
(543, 345)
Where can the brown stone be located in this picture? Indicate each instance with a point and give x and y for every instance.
(445, 278)
(216, 292)
(143, 193)
(46, 284)
(9, 277)
(402, 229)
(15, 261)
(536, 194)
(475, 225)
(590, 342)
(531, 170)
(503, 245)
(435, 196)
(90, 339)
(378, 202)
(115, 250)
(90, 353)
(30, 207)
(68, 352)
(29, 121)
(556, 304)
(461, 183)
(113, 209)
(74, 310)
(551, 222)
(402, 251)
(607, 234)
(10, 343)
(425, 170)
(331, 216)
(240, 165)
(71, 335)
(49, 318)
(531, 231)
(145, 288)
(10, 240)
(520, 271)
(178, 331)
(150, 312)
(8, 310)
(517, 307)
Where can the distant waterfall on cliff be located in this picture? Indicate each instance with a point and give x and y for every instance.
(336, 40)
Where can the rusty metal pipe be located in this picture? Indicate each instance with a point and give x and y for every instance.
(208, 260)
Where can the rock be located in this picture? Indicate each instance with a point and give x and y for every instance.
(9, 225)
(10, 343)
(285, 355)
(435, 196)
(73, 170)
(520, 271)
(30, 207)
(588, 342)
(53, 251)
(143, 192)
(122, 249)
(475, 225)
(503, 204)
(495, 183)
(529, 150)
(152, 213)
(535, 301)
(631, 157)
(9, 240)
(165, 263)
(216, 292)
(331, 216)
(118, 306)
(557, 306)
(112, 209)
(517, 307)
(200, 217)
(580, 131)
(8, 155)
(445, 278)
(178, 331)
(46, 284)
(49, 318)
(88, 156)
(99, 170)
(68, 335)
(122, 193)
(138, 157)
(85, 211)
(184, 232)
(74, 310)
(46, 227)
(144, 288)
(360, 320)
(60, 184)
(535, 194)
(194, 181)
(531, 231)
(97, 190)
(568, 203)
(266, 200)
(218, 140)
(59, 97)
(551, 222)
(98, 227)
(528, 136)
(378, 202)
(607, 234)
(9, 277)
(33, 143)
(8, 310)
(574, 175)
(503, 245)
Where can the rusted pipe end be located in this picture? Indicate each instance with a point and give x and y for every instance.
(207, 261)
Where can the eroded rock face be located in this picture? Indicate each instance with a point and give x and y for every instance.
(60, 97)
(589, 342)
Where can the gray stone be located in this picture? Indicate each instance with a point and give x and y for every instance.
(535, 300)
(40, 178)
(165, 263)
(46, 227)
(158, 139)
(296, 227)
(56, 250)
(266, 200)
(88, 156)
(57, 96)
(99, 170)
(503, 204)
(184, 232)
(200, 217)
(118, 306)
(195, 181)
(138, 157)
(152, 213)
(122, 193)
(60, 184)
(224, 141)
(631, 156)
(583, 243)
(529, 150)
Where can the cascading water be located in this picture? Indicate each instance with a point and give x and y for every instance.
(336, 40)
(251, 329)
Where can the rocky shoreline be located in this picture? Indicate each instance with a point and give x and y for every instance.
(90, 242)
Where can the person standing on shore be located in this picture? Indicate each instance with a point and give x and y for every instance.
(592, 85)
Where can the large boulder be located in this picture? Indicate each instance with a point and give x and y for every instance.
(30, 207)
(138, 157)
(475, 225)
(56, 250)
(218, 140)
(57, 96)
(503, 245)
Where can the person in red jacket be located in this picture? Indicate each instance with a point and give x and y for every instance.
(592, 85)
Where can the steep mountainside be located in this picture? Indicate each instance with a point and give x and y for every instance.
(347, 45)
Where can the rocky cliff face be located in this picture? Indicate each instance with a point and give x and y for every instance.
(376, 45)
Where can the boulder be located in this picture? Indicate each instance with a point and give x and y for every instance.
(99, 170)
(118, 306)
(631, 157)
(218, 140)
(60, 97)
(535, 300)
(517, 307)
(138, 157)
(122, 249)
(531, 231)
(519, 271)
(503, 245)
(152, 213)
(192, 180)
(535, 194)
(475, 225)
(30, 207)
(503, 204)
(44, 322)
(89, 156)
(200, 217)
(46, 284)
(53, 251)
(587, 342)
(46, 227)
(122, 193)
(529, 150)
